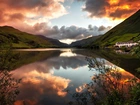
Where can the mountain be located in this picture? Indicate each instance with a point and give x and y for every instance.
(128, 30)
(54, 41)
(10, 36)
(85, 42)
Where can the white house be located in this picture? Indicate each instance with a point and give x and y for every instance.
(126, 44)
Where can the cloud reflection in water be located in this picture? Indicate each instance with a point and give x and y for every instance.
(40, 86)
(37, 86)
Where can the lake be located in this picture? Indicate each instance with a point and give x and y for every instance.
(48, 74)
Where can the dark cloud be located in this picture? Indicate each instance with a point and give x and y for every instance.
(72, 32)
(119, 13)
(103, 28)
(26, 3)
(111, 8)
(96, 7)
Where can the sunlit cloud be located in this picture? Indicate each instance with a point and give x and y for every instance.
(114, 9)
(34, 16)
(36, 84)
(34, 9)
(68, 41)
(26, 13)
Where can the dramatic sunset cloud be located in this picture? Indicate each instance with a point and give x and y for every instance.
(63, 19)
(115, 9)
(30, 11)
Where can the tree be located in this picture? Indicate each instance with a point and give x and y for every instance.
(8, 88)
(8, 84)
(108, 87)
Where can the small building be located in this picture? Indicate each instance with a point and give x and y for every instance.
(125, 44)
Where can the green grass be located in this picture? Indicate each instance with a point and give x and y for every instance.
(124, 38)
(18, 39)
(128, 30)
(20, 45)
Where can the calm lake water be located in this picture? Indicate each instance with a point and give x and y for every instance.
(48, 73)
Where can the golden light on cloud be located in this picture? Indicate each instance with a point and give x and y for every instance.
(56, 83)
(125, 7)
(22, 102)
(29, 11)
(36, 84)
(113, 2)
(114, 9)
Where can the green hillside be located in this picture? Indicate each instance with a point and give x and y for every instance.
(85, 42)
(128, 30)
(17, 39)
(54, 41)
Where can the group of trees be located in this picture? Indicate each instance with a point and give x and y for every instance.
(108, 87)
(8, 84)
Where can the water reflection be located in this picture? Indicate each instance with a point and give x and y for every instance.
(121, 52)
(45, 82)
(110, 85)
(41, 88)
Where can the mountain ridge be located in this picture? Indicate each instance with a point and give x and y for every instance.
(123, 32)
(10, 36)
(54, 41)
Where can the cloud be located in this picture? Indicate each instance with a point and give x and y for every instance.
(72, 32)
(37, 87)
(33, 16)
(103, 28)
(115, 9)
(30, 11)
(63, 33)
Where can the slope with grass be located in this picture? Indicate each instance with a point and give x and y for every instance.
(10, 36)
(128, 30)
(54, 41)
(83, 43)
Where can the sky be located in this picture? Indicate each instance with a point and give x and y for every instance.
(66, 20)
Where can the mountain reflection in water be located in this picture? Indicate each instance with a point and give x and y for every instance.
(45, 82)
